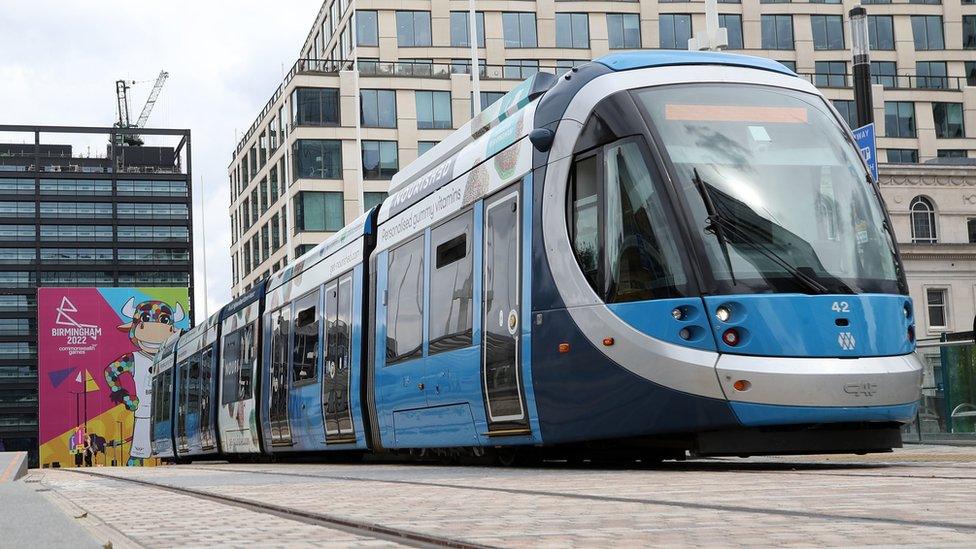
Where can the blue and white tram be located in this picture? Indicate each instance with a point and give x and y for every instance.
(654, 252)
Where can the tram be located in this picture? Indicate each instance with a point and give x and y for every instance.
(654, 253)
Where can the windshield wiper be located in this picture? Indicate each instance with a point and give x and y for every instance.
(721, 226)
(723, 242)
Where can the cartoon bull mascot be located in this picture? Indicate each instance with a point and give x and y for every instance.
(152, 323)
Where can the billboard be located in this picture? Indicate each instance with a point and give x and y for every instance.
(95, 349)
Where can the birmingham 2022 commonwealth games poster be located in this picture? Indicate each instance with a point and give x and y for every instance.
(95, 352)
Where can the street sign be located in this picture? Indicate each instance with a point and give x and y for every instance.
(868, 147)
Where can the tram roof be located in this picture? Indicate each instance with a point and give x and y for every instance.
(640, 59)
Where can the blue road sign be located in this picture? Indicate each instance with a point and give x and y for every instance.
(868, 147)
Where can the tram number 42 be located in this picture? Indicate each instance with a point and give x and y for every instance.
(840, 307)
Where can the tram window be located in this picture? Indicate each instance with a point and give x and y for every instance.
(405, 294)
(619, 227)
(451, 304)
(206, 382)
(193, 385)
(641, 253)
(306, 334)
(584, 217)
(248, 358)
(238, 363)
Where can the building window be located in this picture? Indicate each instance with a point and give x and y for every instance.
(777, 32)
(969, 32)
(413, 28)
(788, 64)
(830, 74)
(931, 74)
(378, 108)
(899, 119)
(675, 30)
(572, 30)
(927, 30)
(315, 107)
(519, 29)
(902, 156)
(970, 73)
(463, 66)
(433, 109)
(380, 159)
(404, 309)
(923, 221)
(319, 211)
(952, 153)
(371, 199)
(828, 32)
(460, 29)
(884, 73)
(948, 120)
(733, 25)
(451, 274)
(881, 32)
(424, 146)
(275, 233)
(366, 29)
(936, 303)
(623, 31)
(847, 110)
(317, 159)
(971, 226)
(519, 69)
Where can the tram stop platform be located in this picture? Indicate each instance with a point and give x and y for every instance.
(916, 496)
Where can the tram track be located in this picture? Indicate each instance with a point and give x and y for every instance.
(360, 528)
(788, 513)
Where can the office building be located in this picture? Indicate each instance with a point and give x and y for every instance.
(79, 207)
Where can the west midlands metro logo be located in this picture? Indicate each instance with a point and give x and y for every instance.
(65, 310)
(846, 341)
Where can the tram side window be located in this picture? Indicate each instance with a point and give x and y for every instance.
(206, 382)
(635, 256)
(238, 360)
(584, 217)
(451, 303)
(404, 309)
(193, 388)
(306, 334)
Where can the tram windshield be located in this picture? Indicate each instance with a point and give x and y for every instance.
(775, 189)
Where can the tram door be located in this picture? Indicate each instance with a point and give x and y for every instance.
(501, 321)
(207, 438)
(183, 378)
(338, 355)
(278, 413)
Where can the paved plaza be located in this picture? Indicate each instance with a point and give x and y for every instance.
(917, 496)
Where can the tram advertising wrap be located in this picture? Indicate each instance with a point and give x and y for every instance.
(95, 350)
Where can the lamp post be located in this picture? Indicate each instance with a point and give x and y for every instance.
(861, 51)
(475, 66)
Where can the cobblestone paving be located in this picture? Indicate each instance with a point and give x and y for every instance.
(150, 517)
(923, 496)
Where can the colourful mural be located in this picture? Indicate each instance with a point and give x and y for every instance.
(95, 350)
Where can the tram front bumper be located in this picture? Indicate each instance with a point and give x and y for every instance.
(781, 390)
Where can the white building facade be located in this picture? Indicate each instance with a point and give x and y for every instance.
(328, 141)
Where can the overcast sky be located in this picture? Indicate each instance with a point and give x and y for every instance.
(59, 61)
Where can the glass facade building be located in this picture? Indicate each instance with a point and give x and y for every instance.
(120, 216)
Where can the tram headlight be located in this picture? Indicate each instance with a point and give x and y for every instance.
(731, 337)
(677, 313)
(723, 313)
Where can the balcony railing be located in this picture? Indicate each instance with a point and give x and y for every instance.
(892, 82)
(369, 67)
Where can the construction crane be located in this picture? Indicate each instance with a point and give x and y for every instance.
(122, 97)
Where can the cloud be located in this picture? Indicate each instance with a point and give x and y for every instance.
(61, 60)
